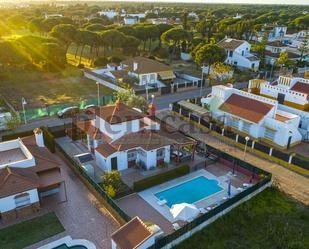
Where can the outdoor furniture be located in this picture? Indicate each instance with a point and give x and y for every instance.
(177, 153)
(161, 202)
(240, 189)
(176, 226)
(184, 211)
(203, 210)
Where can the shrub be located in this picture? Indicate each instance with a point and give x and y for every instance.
(112, 179)
(110, 191)
(100, 62)
(161, 52)
(160, 178)
(49, 139)
(17, 135)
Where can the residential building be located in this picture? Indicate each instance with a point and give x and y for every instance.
(109, 13)
(144, 70)
(130, 20)
(272, 32)
(292, 95)
(238, 54)
(134, 235)
(299, 39)
(121, 137)
(273, 50)
(28, 172)
(253, 115)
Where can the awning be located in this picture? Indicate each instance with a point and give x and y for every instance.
(194, 108)
(166, 75)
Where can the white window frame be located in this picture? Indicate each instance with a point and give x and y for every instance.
(22, 200)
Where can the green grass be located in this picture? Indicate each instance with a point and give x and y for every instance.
(29, 232)
(271, 220)
(40, 88)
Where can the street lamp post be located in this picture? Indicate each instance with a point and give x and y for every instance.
(98, 92)
(202, 79)
(23, 103)
(245, 150)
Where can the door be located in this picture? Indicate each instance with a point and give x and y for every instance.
(289, 142)
(114, 163)
(280, 98)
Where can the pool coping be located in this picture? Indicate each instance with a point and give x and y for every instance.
(188, 180)
(68, 241)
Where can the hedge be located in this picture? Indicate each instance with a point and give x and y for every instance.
(17, 135)
(49, 139)
(160, 178)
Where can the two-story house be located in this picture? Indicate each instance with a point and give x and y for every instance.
(28, 172)
(238, 54)
(273, 50)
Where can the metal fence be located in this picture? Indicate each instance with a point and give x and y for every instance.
(51, 110)
(233, 135)
(266, 179)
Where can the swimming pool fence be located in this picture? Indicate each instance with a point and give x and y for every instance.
(200, 222)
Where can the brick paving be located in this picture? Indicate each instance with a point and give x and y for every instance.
(290, 182)
(82, 216)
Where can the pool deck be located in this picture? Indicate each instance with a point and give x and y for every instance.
(144, 204)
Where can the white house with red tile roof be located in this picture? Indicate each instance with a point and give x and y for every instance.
(254, 115)
(238, 54)
(121, 137)
(27, 172)
(292, 94)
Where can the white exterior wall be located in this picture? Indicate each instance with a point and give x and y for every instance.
(8, 203)
(109, 14)
(148, 78)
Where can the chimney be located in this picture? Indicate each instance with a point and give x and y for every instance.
(135, 66)
(152, 110)
(117, 104)
(39, 139)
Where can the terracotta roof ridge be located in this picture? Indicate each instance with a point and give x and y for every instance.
(19, 176)
(44, 158)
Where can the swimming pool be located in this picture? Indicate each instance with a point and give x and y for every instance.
(190, 191)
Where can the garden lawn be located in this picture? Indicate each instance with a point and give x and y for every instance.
(271, 220)
(29, 232)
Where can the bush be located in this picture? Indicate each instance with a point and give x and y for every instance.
(100, 62)
(111, 179)
(81, 66)
(161, 52)
(160, 178)
(17, 135)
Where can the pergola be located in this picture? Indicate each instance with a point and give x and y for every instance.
(199, 110)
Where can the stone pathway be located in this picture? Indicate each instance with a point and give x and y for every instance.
(290, 182)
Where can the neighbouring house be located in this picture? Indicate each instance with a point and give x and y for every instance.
(109, 13)
(292, 95)
(238, 16)
(28, 172)
(121, 137)
(272, 32)
(273, 50)
(135, 235)
(130, 20)
(52, 15)
(299, 39)
(145, 71)
(158, 20)
(253, 115)
(238, 54)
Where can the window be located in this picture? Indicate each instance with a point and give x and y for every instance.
(132, 155)
(144, 79)
(160, 153)
(152, 78)
(246, 126)
(22, 200)
(252, 65)
(242, 53)
(235, 62)
(230, 53)
(269, 133)
(142, 153)
(234, 123)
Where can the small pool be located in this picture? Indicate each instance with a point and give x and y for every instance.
(190, 191)
(64, 246)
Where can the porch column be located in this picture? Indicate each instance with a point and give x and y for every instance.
(252, 146)
(290, 159)
(270, 151)
(237, 138)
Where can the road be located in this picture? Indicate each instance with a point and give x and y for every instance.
(162, 102)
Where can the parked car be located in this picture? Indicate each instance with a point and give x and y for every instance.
(88, 108)
(68, 112)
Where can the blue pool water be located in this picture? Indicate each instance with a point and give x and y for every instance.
(190, 191)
